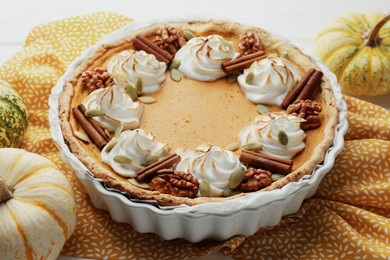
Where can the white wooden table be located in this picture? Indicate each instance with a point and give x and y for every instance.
(298, 20)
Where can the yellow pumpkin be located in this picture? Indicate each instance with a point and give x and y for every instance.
(37, 206)
(356, 47)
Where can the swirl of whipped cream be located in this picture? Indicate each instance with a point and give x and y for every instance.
(136, 144)
(266, 130)
(201, 58)
(117, 106)
(129, 65)
(272, 78)
(212, 163)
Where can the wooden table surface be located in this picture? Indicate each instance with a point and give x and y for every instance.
(298, 20)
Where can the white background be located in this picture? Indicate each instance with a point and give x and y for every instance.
(298, 20)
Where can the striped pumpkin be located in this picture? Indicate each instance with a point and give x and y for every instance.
(356, 47)
(37, 206)
(13, 117)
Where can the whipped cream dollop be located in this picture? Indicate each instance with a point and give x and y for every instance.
(117, 106)
(211, 163)
(135, 146)
(202, 57)
(269, 81)
(129, 65)
(269, 129)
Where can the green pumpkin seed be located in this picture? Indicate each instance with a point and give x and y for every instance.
(225, 43)
(147, 99)
(94, 112)
(232, 77)
(249, 78)
(110, 145)
(262, 109)
(82, 136)
(148, 160)
(252, 146)
(282, 137)
(142, 185)
(155, 64)
(284, 55)
(297, 120)
(122, 159)
(131, 91)
(204, 188)
(229, 192)
(277, 176)
(107, 133)
(162, 153)
(232, 146)
(175, 75)
(236, 177)
(138, 85)
(179, 151)
(119, 129)
(188, 35)
(175, 64)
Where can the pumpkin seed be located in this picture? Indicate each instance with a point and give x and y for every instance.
(142, 185)
(277, 176)
(110, 145)
(155, 64)
(131, 91)
(147, 99)
(119, 129)
(94, 112)
(204, 188)
(175, 64)
(282, 137)
(252, 146)
(229, 192)
(232, 77)
(284, 55)
(148, 160)
(225, 43)
(262, 109)
(138, 85)
(188, 35)
(179, 151)
(249, 78)
(162, 153)
(297, 120)
(232, 146)
(175, 75)
(107, 133)
(236, 177)
(120, 78)
(122, 159)
(82, 136)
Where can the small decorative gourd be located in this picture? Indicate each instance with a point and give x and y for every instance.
(356, 47)
(37, 206)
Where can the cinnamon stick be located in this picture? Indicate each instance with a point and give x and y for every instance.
(259, 161)
(94, 124)
(293, 94)
(244, 62)
(89, 129)
(142, 43)
(311, 87)
(149, 171)
(270, 157)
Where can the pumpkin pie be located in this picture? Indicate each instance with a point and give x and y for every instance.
(196, 112)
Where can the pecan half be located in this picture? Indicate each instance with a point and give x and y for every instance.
(249, 42)
(176, 183)
(170, 39)
(309, 110)
(255, 179)
(98, 78)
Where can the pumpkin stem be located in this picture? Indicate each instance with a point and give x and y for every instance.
(5, 191)
(373, 39)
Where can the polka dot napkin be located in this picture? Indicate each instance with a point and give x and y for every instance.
(347, 218)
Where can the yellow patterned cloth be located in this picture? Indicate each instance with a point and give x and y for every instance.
(347, 218)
